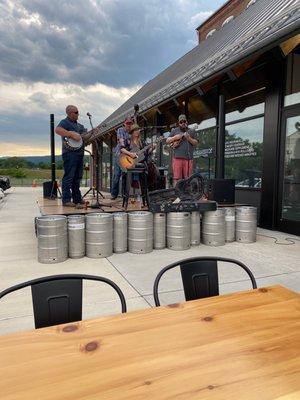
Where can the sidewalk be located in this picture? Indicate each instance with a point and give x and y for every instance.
(135, 274)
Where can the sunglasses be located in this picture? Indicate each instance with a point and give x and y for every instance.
(182, 121)
(75, 112)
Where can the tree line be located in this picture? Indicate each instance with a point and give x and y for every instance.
(22, 163)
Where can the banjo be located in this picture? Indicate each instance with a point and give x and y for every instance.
(72, 144)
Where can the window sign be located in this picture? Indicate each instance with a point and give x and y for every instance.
(243, 152)
(239, 148)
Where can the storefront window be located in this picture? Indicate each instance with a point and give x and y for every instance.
(151, 138)
(106, 166)
(205, 152)
(292, 88)
(291, 182)
(243, 152)
(291, 99)
(166, 157)
(247, 112)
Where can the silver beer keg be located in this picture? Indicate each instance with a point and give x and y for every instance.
(179, 230)
(213, 227)
(159, 230)
(245, 224)
(99, 235)
(229, 224)
(140, 232)
(76, 234)
(52, 235)
(195, 228)
(120, 232)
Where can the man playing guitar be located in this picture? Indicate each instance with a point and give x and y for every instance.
(69, 128)
(183, 142)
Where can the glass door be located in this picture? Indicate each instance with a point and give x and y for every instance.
(289, 189)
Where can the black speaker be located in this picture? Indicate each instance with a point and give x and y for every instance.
(49, 190)
(221, 190)
(161, 182)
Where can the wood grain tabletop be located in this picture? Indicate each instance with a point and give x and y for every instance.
(242, 346)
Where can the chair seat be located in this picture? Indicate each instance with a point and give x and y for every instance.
(136, 170)
(140, 170)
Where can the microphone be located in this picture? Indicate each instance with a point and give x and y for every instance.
(88, 114)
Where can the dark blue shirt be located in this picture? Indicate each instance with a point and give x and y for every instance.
(74, 126)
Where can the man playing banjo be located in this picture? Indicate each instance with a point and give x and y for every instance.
(72, 133)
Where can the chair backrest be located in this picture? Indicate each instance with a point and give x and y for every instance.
(199, 276)
(57, 299)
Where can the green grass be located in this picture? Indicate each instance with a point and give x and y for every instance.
(33, 173)
(39, 175)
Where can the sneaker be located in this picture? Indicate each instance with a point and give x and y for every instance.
(69, 204)
(113, 197)
(80, 205)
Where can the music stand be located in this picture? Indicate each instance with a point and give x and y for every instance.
(91, 188)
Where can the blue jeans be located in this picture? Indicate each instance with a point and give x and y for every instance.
(116, 179)
(73, 167)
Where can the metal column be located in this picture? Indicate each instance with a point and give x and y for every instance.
(220, 145)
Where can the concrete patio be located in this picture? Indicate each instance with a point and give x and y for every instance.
(271, 264)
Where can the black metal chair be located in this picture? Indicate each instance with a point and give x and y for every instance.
(199, 276)
(57, 299)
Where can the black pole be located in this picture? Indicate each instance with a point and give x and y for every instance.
(220, 138)
(52, 147)
(97, 159)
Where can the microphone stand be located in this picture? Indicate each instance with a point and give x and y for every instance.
(97, 205)
(91, 188)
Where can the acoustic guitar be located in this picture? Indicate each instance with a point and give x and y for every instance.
(126, 162)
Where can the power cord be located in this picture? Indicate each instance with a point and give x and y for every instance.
(276, 241)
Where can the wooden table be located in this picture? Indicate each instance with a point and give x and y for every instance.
(239, 346)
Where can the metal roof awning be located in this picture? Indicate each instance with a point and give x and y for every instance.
(256, 29)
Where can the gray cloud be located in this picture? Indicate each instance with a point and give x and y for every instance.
(115, 42)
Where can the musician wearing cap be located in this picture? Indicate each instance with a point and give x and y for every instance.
(123, 138)
(73, 135)
(135, 149)
(183, 142)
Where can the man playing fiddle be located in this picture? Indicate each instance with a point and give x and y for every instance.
(183, 142)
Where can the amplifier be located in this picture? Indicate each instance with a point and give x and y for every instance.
(49, 190)
(221, 190)
(186, 206)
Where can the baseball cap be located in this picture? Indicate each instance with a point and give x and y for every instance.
(128, 121)
(182, 117)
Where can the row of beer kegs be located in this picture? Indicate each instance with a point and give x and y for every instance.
(99, 235)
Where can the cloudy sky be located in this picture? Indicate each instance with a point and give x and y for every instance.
(92, 53)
